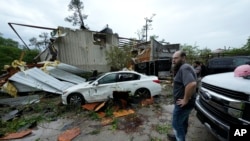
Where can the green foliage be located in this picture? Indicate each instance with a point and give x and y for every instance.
(95, 132)
(8, 42)
(109, 112)
(17, 123)
(9, 52)
(245, 50)
(48, 109)
(115, 124)
(191, 51)
(118, 58)
(247, 45)
(93, 115)
(163, 129)
(237, 51)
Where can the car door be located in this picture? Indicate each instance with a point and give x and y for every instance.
(127, 82)
(103, 88)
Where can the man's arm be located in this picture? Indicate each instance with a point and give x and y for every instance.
(189, 91)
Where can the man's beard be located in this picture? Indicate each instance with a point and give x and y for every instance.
(176, 67)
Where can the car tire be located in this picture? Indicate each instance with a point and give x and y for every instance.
(142, 93)
(76, 99)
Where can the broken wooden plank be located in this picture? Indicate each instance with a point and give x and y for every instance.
(148, 101)
(70, 134)
(101, 114)
(99, 106)
(16, 135)
(107, 121)
(90, 106)
(123, 113)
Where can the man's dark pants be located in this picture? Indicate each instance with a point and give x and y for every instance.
(180, 121)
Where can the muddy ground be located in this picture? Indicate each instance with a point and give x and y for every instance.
(49, 118)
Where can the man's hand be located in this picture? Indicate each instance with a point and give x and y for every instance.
(181, 102)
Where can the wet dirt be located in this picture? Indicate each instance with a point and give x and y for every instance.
(148, 123)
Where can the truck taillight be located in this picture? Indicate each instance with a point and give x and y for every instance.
(157, 81)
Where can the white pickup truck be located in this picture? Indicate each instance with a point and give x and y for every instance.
(223, 100)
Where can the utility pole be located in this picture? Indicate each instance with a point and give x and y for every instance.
(148, 20)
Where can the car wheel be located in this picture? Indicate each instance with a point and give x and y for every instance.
(142, 93)
(76, 99)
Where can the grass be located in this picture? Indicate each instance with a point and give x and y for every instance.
(114, 124)
(48, 109)
(95, 132)
(93, 115)
(163, 129)
(109, 112)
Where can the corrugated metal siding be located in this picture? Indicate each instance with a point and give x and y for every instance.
(70, 68)
(63, 75)
(77, 49)
(38, 79)
(45, 56)
(24, 88)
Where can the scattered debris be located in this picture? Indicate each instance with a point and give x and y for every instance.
(121, 113)
(16, 135)
(118, 106)
(70, 134)
(107, 121)
(146, 102)
(22, 100)
(46, 76)
(10, 115)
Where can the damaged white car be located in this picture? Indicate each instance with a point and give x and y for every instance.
(105, 84)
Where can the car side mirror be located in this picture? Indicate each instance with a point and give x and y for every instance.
(95, 83)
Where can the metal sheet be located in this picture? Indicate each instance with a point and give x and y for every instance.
(24, 79)
(38, 79)
(63, 75)
(24, 88)
(22, 100)
(41, 76)
(70, 68)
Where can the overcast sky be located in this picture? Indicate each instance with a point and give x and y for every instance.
(204, 23)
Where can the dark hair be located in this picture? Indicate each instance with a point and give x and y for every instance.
(197, 62)
(183, 54)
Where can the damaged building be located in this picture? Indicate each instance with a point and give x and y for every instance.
(154, 58)
(83, 48)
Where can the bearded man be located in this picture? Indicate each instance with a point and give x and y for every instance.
(184, 95)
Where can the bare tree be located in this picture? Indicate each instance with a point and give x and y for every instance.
(77, 18)
(42, 43)
(140, 34)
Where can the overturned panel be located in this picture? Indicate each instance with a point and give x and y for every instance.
(24, 88)
(70, 68)
(41, 76)
(63, 75)
(23, 100)
(37, 79)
